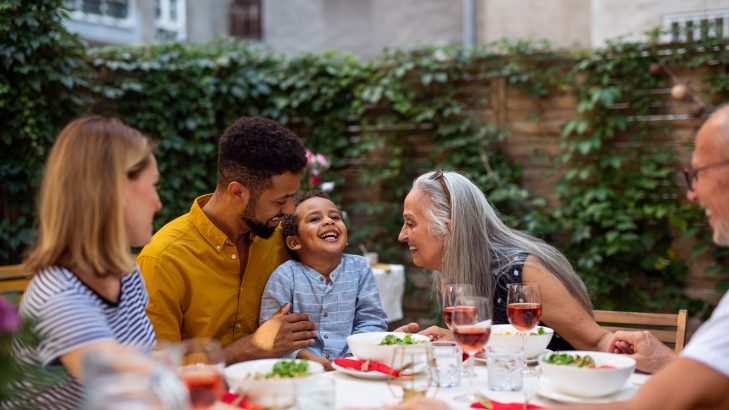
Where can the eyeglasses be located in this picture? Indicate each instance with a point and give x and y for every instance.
(692, 174)
(441, 178)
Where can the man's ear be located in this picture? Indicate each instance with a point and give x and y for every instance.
(238, 192)
(293, 242)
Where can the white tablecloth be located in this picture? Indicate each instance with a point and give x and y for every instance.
(354, 392)
(391, 284)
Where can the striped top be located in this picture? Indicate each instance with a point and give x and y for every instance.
(70, 315)
(349, 304)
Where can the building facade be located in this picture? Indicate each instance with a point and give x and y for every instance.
(366, 27)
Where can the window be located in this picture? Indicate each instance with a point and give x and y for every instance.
(170, 20)
(108, 12)
(245, 19)
(691, 27)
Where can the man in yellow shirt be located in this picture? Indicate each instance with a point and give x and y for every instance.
(206, 270)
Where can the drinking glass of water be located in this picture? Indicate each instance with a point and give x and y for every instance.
(505, 366)
(448, 362)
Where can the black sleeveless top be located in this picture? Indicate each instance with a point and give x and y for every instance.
(513, 274)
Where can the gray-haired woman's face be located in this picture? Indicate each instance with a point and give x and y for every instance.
(426, 248)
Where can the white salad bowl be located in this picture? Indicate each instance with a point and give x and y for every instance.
(585, 381)
(247, 378)
(367, 345)
(507, 336)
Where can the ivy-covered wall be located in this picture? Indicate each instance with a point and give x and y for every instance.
(616, 207)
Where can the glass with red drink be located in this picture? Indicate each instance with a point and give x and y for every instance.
(524, 308)
(471, 330)
(201, 371)
(451, 294)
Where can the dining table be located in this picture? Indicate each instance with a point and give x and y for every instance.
(353, 392)
(373, 392)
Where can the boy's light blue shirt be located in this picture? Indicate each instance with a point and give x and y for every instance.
(349, 304)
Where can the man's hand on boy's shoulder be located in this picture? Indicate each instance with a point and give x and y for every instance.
(281, 334)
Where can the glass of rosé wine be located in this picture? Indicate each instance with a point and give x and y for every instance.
(201, 371)
(451, 294)
(450, 302)
(471, 332)
(524, 308)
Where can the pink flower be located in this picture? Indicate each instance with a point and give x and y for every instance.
(9, 320)
(322, 161)
(310, 157)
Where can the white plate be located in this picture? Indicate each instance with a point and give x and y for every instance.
(530, 361)
(546, 390)
(374, 375)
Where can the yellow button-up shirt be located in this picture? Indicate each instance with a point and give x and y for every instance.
(192, 273)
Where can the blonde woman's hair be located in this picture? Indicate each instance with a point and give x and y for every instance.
(479, 245)
(80, 222)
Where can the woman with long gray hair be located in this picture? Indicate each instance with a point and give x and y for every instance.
(452, 229)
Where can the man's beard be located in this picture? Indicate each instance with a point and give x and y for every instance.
(258, 228)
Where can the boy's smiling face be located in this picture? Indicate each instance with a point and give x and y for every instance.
(321, 231)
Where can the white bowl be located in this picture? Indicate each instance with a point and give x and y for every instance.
(589, 382)
(535, 344)
(367, 345)
(273, 393)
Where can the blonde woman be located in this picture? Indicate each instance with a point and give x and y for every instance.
(452, 229)
(96, 201)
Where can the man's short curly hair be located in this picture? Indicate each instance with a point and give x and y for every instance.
(254, 149)
(290, 223)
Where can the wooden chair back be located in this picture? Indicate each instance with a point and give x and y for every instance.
(669, 328)
(13, 279)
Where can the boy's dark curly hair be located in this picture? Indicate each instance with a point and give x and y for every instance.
(290, 223)
(254, 149)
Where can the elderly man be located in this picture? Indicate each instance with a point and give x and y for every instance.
(699, 377)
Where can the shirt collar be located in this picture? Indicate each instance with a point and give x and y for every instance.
(212, 234)
(313, 274)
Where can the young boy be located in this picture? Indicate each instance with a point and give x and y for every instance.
(336, 290)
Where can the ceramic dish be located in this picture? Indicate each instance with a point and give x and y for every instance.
(546, 390)
(373, 375)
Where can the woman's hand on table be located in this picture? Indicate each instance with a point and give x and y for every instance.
(433, 332)
(408, 328)
(437, 333)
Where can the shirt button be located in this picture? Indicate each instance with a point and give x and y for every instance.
(217, 247)
(326, 314)
(327, 356)
(233, 256)
(321, 279)
(237, 325)
(326, 336)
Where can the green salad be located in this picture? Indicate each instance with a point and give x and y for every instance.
(570, 360)
(394, 340)
(288, 369)
(539, 332)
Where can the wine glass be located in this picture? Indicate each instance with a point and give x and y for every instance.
(451, 294)
(202, 370)
(524, 308)
(417, 372)
(472, 332)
